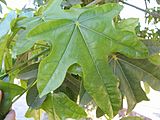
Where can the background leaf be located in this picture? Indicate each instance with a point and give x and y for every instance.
(9, 92)
(4, 29)
(31, 113)
(61, 105)
(129, 82)
(154, 51)
(143, 70)
(33, 99)
(29, 72)
(5, 24)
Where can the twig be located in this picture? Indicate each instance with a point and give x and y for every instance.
(146, 4)
(145, 1)
(154, 14)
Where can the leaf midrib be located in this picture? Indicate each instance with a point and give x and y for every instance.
(126, 79)
(138, 68)
(93, 60)
(64, 50)
(111, 39)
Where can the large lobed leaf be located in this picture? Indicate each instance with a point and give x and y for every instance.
(87, 40)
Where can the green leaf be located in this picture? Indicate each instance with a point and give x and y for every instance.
(130, 79)
(23, 44)
(85, 99)
(29, 72)
(142, 70)
(155, 59)
(4, 29)
(33, 99)
(9, 92)
(54, 11)
(62, 106)
(87, 41)
(71, 87)
(8, 61)
(31, 113)
(146, 87)
(76, 70)
(5, 24)
(128, 24)
(3, 43)
(153, 46)
(99, 112)
(154, 51)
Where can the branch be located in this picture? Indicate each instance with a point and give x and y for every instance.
(145, 1)
(154, 14)
(146, 4)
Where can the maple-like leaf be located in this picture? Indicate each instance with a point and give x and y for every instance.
(86, 39)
